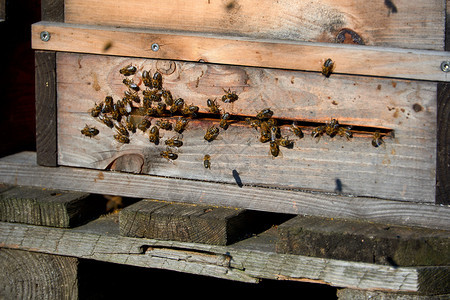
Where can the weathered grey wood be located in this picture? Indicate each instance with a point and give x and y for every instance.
(52, 10)
(404, 168)
(243, 263)
(195, 223)
(352, 294)
(364, 241)
(21, 169)
(48, 207)
(443, 145)
(32, 275)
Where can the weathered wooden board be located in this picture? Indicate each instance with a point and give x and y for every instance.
(305, 56)
(399, 23)
(404, 169)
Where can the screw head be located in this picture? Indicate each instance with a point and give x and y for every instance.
(445, 66)
(45, 36)
(155, 47)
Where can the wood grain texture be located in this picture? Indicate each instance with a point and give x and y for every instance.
(349, 59)
(443, 145)
(30, 275)
(52, 10)
(235, 262)
(400, 23)
(46, 143)
(403, 169)
(22, 169)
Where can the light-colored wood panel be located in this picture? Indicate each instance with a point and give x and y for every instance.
(359, 60)
(21, 169)
(404, 169)
(400, 23)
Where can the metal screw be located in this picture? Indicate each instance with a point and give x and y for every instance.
(445, 66)
(155, 47)
(45, 36)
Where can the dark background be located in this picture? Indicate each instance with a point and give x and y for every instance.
(99, 280)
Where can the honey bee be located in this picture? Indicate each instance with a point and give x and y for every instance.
(274, 133)
(265, 136)
(264, 114)
(160, 108)
(318, 131)
(169, 155)
(123, 108)
(345, 131)
(107, 105)
(115, 114)
(131, 96)
(177, 105)
(224, 120)
(211, 133)
(106, 120)
(332, 127)
(229, 96)
(213, 106)
(153, 135)
(89, 131)
(274, 149)
(146, 79)
(130, 124)
(131, 85)
(95, 112)
(144, 124)
(327, 67)
(207, 161)
(377, 140)
(174, 142)
(164, 124)
(167, 95)
(152, 95)
(285, 142)
(255, 123)
(297, 131)
(121, 129)
(150, 111)
(121, 138)
(128, 70)
(181, 124)
(157, 81)
(190, 110)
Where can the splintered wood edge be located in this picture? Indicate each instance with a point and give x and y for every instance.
(349, 59)
(21, 169)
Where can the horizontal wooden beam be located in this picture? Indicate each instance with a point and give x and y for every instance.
(21, 169)
(349, 59)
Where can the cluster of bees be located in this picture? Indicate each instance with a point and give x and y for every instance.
(153, 101)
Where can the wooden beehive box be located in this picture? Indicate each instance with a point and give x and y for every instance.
(389, 65)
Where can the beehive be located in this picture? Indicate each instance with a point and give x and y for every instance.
(389, 63)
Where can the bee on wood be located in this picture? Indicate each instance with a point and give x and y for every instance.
(177, 105)
(108, 105)
(274, 149)
(229, 96)
(265, 136)
(153, 135)
(318, 131)
(96, 110)
(181, 124)
(128, 70)
(157, 81)
(167, 95)
(211, 133)
(144, 124)
(297, 131)
(131, 85)
(207, 161)
(164, 124)
(213, 106)
(190, 110)
(255, 123)
(121, 129)
(169, 155)
(115, 113)
(106, 120)
(285, 142)
(345, 131)
(264, 114)
(121, 138)
(152, 95)
(224, 120)
(131, 96)
(147, 79)
(377, 139)
(130, 124)
(123, 108)
(327, 67)
(160, 108)
(89, 131)
(275, 133)
(332, 127)
(150, 111)
(174, 142)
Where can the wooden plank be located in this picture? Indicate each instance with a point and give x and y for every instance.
(364, 241)
(48, 207)
(352, 294)
(2, 11)
(443, 145)
(242, 263)
(52, 10)
(21, 169)
(403, 168)
(400, 23)
(349, 59)
(31, 275)
(46, 144)
(195, 223)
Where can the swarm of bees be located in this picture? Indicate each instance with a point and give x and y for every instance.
(141, 104)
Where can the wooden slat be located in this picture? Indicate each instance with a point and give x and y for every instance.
(403, 169)
(389, 62)
(401, 23)
(242, 263)
(21, 169)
